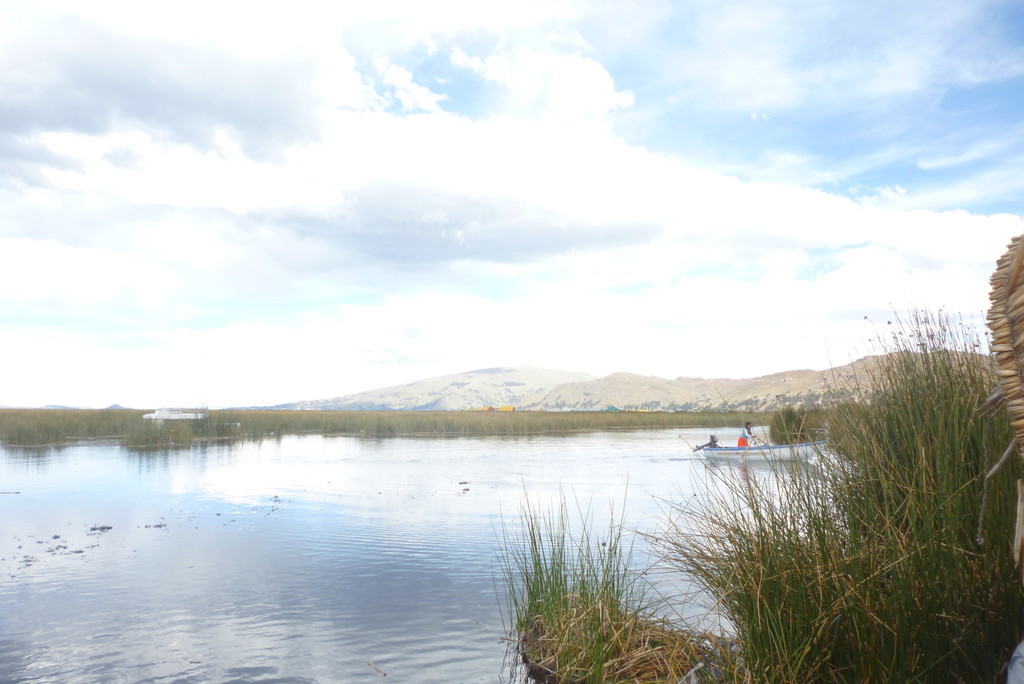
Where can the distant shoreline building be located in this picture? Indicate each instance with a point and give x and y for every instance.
(177, 414)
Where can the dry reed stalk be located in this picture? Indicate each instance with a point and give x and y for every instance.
(641, 650)
(1006, 325)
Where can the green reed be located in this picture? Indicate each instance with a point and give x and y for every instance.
(58, 426)
(55, 426)
(889, 560)
(578, 609)
(794, 425)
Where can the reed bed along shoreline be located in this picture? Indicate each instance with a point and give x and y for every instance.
(888, 559)
(579, 611)
(46, 427)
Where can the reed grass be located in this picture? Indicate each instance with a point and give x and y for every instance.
(25, 427)
(37, 427)
(795, 425)
(579, 610)
(888, 561)
(28, 427)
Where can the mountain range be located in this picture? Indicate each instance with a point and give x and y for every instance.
(532, 388)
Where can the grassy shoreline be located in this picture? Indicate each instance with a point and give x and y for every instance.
(889, 559)
(579, 612)
(55, 427)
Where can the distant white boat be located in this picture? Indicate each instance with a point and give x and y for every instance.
(177, 414)
(801, 450)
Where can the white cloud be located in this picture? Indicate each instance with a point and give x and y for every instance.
(149, 260)
(580, 86)
(47, 280)
(978, 151)
(883, 195)
(778, 55)
(262, 29)
(413, 96)
(568, 86)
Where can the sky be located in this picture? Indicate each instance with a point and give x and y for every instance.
(245, 204)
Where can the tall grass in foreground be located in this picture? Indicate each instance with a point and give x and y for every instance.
(890, 561)
(25, 427)
(580, 611)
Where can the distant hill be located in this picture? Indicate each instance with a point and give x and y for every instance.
(532, 388)
(476, 389)
(764, 393)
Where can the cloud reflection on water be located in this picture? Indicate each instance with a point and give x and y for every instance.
(306, 557)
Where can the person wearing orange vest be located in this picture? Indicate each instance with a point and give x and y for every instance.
(746, 436)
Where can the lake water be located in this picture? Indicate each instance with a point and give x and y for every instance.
(304, 559)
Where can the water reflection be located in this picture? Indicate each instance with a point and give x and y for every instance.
(294, 559)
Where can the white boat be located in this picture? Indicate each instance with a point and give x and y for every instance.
(177, 414)
(801, 450)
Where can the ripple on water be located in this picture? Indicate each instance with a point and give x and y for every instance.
(292, 561)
